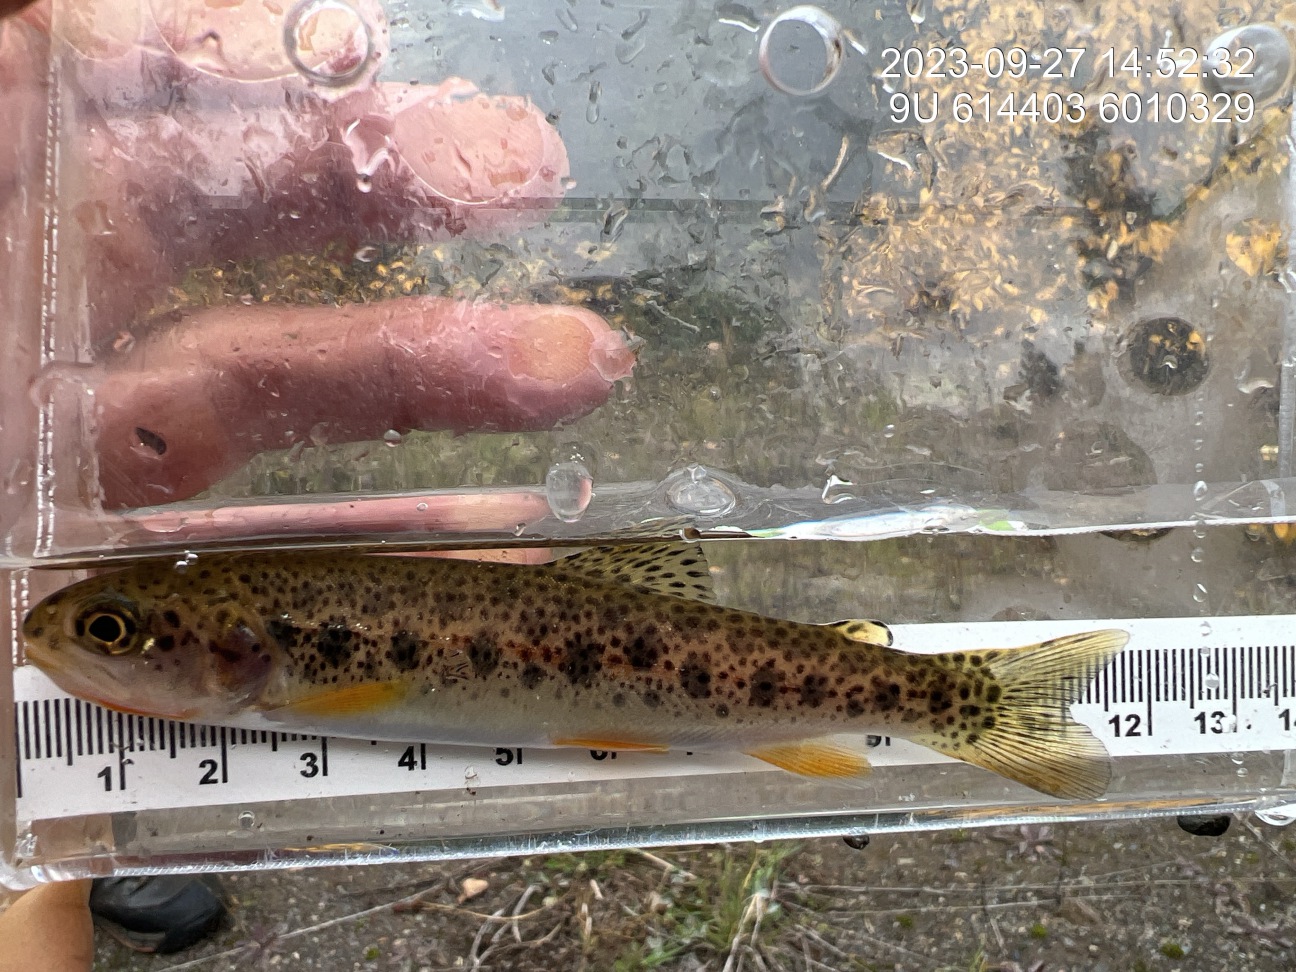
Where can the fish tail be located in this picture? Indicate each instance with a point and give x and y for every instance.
(1019, 723)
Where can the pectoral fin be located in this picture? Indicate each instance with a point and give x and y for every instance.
(816, 758)
(348, 701)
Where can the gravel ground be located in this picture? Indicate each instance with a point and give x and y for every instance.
(1128, 896)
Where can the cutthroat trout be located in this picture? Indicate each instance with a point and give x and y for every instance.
(613, 648)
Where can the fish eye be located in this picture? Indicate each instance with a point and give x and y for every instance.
(110, 629)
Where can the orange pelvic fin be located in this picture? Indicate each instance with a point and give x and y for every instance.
(351, 700)
(611, 745)
(817, 758)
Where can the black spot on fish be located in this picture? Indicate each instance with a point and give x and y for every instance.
(582, 661)
(651, 699)
(887, 697)
(404, 651)
(287, 634)
(695, 677)
(165, 642)
(171, 618)
(722, 711)
(765, 685)
(618, 699)
(642, 652)
(854, 706)
(993, 694)
(939, 701)
(334, 644)
(814, 689)
(484, 654)
(531, 676)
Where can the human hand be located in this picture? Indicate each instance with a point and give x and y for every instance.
(192, 167)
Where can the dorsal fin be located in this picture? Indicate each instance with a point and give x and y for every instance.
(677, 569)
(868, 632)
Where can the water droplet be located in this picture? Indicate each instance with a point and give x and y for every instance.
(1200, 489)
(491, 11)
(701, 493)
(837, 490)
(568, 183)
(1197, 555)
(592, 109)
(917, 12)
(569, 487)
(1199, 593)
(392, 438)
(366, 254)
(888, 431)
(327, 41)
(364, 182)
(1242, 771)
(1236, 758)
(1199, 532)
(246, 819)
(1205, 629)
(1199, 468)
(471, 779)
(422, 507)
(185, 562)
(737, 15)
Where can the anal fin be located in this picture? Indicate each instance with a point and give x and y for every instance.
(815, 758)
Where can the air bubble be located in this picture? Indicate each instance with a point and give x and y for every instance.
(1197, 555)
(830, 33)
(698, 492)
(569, 487)
(1200, 489)
(247, 820)
(1205, 629)
(888, 432)
(1212, 681)
(185, 562)
(366, 254)
(422, 507)
(1199, 593)
(327, 41)
(392, 438)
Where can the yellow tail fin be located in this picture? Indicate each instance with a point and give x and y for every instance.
(1029, 735)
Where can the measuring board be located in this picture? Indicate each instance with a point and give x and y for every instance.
(1182, 686)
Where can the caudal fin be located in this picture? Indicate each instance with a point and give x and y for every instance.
(1024, 729)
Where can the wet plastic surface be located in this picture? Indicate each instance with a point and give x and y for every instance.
(493, 274)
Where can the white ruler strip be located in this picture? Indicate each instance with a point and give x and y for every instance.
(1182, 686)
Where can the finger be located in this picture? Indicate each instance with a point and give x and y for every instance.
(49, 928)
(191, 405)
(203, 184)
(496, 511)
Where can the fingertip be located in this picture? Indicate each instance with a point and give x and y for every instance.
(474, 149)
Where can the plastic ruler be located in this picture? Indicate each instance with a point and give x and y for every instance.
(1182, 686)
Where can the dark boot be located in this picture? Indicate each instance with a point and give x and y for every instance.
(160, 913)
